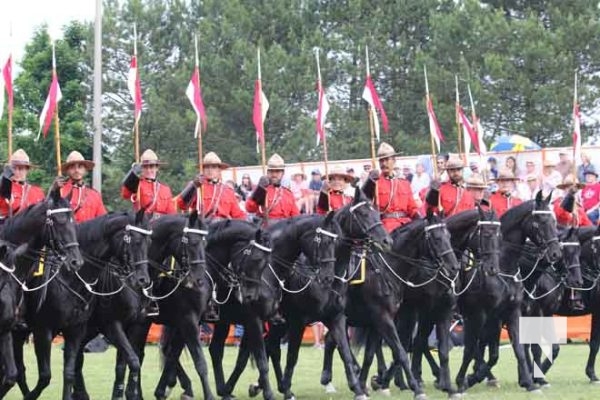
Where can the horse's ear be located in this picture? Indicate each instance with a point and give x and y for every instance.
(548, 198)
(21, 250)
(3, 249)
(329, 218)
(193, 218)
(538, 197)
(139, 216)
(258, 235)
(481, 213)
(357, 195)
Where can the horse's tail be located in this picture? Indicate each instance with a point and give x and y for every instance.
(359, 337)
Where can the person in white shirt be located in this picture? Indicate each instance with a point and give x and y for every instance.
(550, 177)
(420, 180)
(528, 188)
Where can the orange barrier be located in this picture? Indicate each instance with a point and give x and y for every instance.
(578, 328)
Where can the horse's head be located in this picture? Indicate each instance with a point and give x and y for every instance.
(238, 253)
(571, 251)
(319, 246)
(133, 241)
(9, 295)
(190, 252)
(59, 232)
(487, 241)
(437, 241)
(589, 237)
(542, 230)
(359, 220)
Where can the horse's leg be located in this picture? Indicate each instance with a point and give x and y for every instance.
(381, 366)
(590, 369)
(372, 346)
(387, 330)
(79, 389)
(9, 366)
(525, 378)
(493, 342)
(253, 328)
(337, 328)
(73, 341)
(273, 348)
(116, 334)
(295, 330)
(19, 338)
(42, 340)
(172, 346)
(443, 335)
(216, 349)
(188, 329)
(421, 344)
(473, 326)
(327, 371)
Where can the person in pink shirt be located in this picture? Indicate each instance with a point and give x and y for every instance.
(591, 195)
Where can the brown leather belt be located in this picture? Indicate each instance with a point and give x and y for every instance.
(393, 215)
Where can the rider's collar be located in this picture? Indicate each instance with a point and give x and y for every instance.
(150, 179)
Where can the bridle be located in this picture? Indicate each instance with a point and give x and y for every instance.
(544, 245)
(481, 249)
(438, 257)
(50, 233)
(366, 230)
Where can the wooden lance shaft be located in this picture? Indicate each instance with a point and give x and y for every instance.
(57, 141)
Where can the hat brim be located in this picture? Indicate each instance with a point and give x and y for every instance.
(499, 179)
(454, 167)
(220, 165)
(563, 186)
(89, 165)
(275, 168)
(590, 173)
(346, 177)
(299, 173)
(21, 164)
(473, 186)
(155, 162)
(381, 157)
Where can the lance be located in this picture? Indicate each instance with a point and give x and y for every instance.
(370, 111)
(427, 100)
(198, 134)
(7, 72)
(262, 123)
(136, 125)
(56, 118)
(321, 128)
(461, 151)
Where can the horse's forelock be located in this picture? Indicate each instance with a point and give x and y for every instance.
(514, 216)
(226, 231)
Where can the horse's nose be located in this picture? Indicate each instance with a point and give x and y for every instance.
(75, 263)
(387, 243)
(143, 281)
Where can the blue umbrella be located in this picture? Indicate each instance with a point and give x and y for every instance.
(514, 143)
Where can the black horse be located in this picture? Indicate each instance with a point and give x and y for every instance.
(238, 253)
(118, 289)
(588, 293)
(180, 288)
(375, 301)
(493, 300)
(47, 225)
(70, 297)
(545, 296)
(475, 237)
(10, 302)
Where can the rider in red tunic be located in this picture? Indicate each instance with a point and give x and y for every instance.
(450, 194)
(476, 187)
(568, 208)
(17, 194)
(392, 195)
(86, 202)
(503, 199)
(332, 195)
(270, 197)
(218, 199)
(142, 187)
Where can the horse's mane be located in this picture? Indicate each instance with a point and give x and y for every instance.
(586, 233)
(227, 230)
(97, 228)
(34, 211)
(514, 215)
(167, 223)
(301, 222)
(409, 234)
(464, 219)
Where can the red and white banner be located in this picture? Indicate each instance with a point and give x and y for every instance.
(135, 87)
(194, 94)
(370, 96)
(6, 83)
(259, 114)
(322, 110)
(434, 126)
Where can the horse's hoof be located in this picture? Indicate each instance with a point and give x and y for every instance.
(495, 383)
(595, 381)
(253, 390)
(455, 396)
(421, 396)
(375, 383)
(188, 397)
(535, 391)
(290, 396)
(329, 388)
(385, 392)
(325, 378)
(361, 397)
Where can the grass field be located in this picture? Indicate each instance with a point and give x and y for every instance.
(567, 377)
